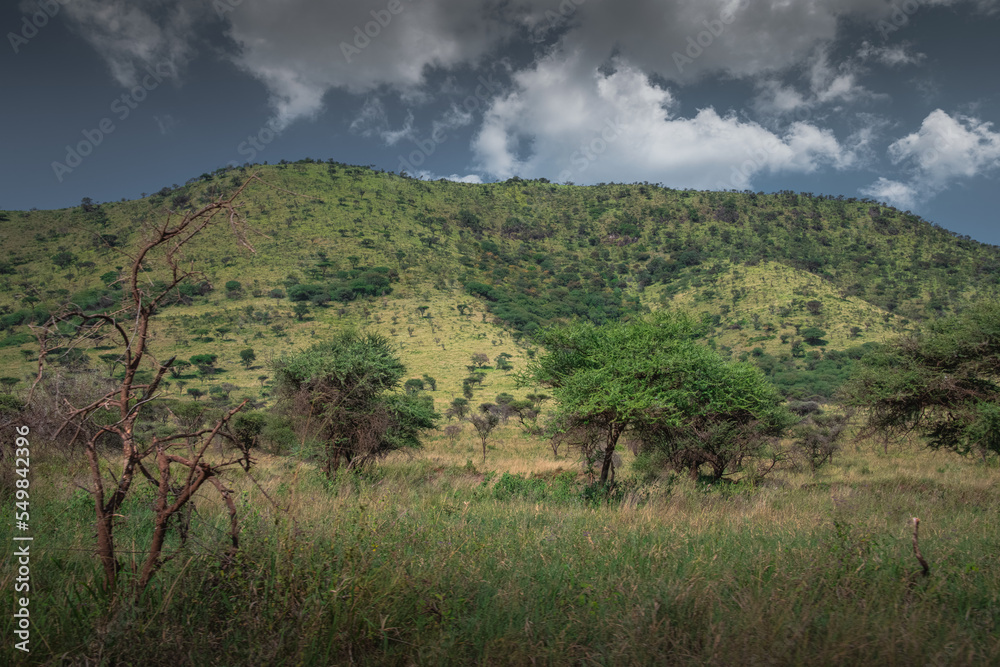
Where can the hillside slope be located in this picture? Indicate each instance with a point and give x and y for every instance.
(367, 248)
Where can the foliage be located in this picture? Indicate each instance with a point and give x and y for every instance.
(653, 378)
(484, 424)
(817, 438)
(248, 356)
(342, 392)
(941, 384)
(813, 335)
(205, 363)
(458, 408)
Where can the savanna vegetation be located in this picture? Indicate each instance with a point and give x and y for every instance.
(316, 414)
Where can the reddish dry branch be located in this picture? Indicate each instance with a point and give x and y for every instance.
(131, 324)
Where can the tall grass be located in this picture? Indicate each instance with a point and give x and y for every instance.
(435, 561)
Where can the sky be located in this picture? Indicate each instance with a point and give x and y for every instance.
(894, 100)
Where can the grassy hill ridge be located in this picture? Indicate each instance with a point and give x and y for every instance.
(361, 247)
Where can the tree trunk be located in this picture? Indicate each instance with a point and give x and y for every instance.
(614, 432)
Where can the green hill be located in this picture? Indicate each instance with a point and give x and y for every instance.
(367, 248)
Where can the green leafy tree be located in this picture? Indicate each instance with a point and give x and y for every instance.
(430, 382)
(300, 310)
(178, 367)
(413, 385)
(245, 429)
(113, 360)
(503, 362)
(248, 356)
(205, 363)
(652, 377)
(63, 259)
(484, 423)
(813, 335)
(344, 392)
(942, 384)
(459, 408)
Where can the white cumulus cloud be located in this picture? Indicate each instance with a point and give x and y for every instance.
(945, 149)
(566, 120)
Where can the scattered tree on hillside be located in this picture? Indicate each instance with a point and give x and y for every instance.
(248, 356)
(459, 408)
(484, 422)
(205, 363)
(813, 335)
(503, 362)
(178, 367)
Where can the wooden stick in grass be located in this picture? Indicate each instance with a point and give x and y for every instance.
(916, 548)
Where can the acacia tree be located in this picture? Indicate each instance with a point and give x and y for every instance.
(176, 476)
(652, 378)
(484, 423)
(941, 384)
(345, 393)
(248, 356)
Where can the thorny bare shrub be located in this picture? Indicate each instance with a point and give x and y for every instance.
(818, 437)
(176, 465)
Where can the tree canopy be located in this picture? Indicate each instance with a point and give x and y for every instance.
(941, 384)
(344, 393)
(651, 376)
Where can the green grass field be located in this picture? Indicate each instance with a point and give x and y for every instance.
(441, 559)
